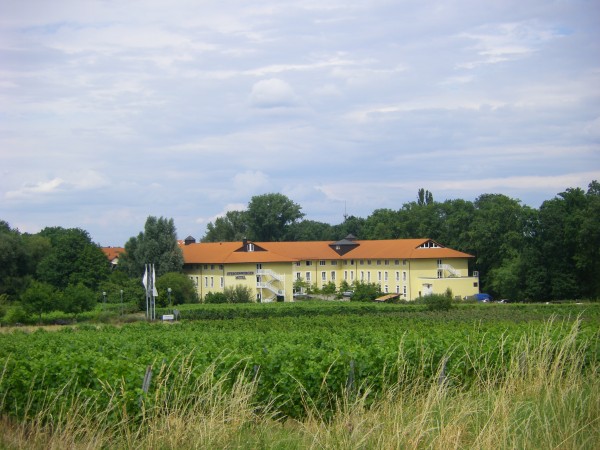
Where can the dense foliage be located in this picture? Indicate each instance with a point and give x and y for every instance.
(521, 253)
(306, 357)
(157, 245)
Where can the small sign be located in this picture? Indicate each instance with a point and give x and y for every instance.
(168, 317)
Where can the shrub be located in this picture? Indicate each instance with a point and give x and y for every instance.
(438, 302)
(215, 297)
(239, 294)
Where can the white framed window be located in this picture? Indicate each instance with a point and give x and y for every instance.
(440, 273)
(212, 267)
(308, 276)
(397, 289)
(404, 276)
(368, 262)
(205, 281)
(333, 262)
(403, 262)
(222, 282)
(309, 263)
(297, 263)
(212, 281)
(386, 289)
(362, 275)
(378, 262)
(404, 290)
(346, 275)
(352, 275)
(379, 276)
(386, 262)
(397, 276)
(368, 277)
(298, 276)
(385, 276)
(322, 263)
(397, 262)
(332, 275)
(323, 276)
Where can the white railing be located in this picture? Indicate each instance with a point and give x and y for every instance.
(270, 273)
(450, 270)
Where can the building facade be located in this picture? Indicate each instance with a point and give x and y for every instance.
(408, 267)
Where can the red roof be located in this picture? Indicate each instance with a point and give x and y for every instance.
(112, 252)
(230, 252)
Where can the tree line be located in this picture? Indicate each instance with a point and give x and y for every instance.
(521, 253)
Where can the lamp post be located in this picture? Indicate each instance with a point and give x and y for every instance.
(169, 292)
(121, 301)
(104, 296)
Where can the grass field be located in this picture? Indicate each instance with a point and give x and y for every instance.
(313, 375)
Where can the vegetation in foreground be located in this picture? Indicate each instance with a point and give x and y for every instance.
(546, 398)
(479, 376)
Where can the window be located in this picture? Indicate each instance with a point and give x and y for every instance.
(404, 276)
(334, 263)
(308, 276)
(386, 262)
(323, 276)
(309, 263)
(221, 267)
(397, 289)
(222, 282)
(368, 262)
(368, 277)
(362, 275)
(439, 262)
(250, 247)
(297, 263)
(352, 275)
(475, 284)
(397, 276)
(321, 263)
(205, 266)
(440, 273)
(205, 281)
(385, 276)
(212, 267)
(404, 290)
(397, 262)
(332, 275)
(351, 262)
(259, 266)
(379, 276)
(298, 277)
(345, 275)
(212, 281)
(378, 262)
(386, 289)
(403, 262)
(362, 262)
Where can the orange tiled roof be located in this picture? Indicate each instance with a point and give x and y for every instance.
(227, 252)
(112, 252)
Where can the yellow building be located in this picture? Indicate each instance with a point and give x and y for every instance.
(408, 267)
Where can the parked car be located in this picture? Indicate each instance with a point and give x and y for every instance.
(485, 298)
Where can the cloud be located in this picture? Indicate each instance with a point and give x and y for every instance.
(273, 93)
(42, 187)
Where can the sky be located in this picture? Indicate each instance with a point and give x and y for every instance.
(113, 111)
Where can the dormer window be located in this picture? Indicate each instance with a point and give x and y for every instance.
(250, 247)
(430, 244)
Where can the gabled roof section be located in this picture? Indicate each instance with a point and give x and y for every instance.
(112, 252)
(230, 252)
(345, 245)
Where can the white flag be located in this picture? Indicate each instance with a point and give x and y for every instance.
(154, 291)
(145, 278)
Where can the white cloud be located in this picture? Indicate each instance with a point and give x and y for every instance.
(272, 93)
(30, 190)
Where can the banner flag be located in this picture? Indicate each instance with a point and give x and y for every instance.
(145, 277)
(154, 291)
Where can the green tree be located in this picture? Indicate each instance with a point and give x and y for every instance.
(40, 298)
(182, 288)
(77, 299)
(157, 245)
(72, 259)
(424, 197)
(270, 216)
(229, 228)
(310, 230)
(365, 292)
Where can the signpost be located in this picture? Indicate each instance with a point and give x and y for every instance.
(151, 293)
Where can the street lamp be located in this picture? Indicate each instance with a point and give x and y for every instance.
(169, 292)
(104, 295)
(121, 301)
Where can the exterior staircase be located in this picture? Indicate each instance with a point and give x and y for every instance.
(272, 282)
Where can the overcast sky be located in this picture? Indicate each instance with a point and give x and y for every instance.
(111, 111)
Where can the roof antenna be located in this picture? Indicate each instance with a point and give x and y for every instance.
(345, 213)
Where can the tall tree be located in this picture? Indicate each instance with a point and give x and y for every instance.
(270, 216)
(157, 245)
(233, 226)
(73, 258)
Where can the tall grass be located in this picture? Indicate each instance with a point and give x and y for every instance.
(546, 397)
